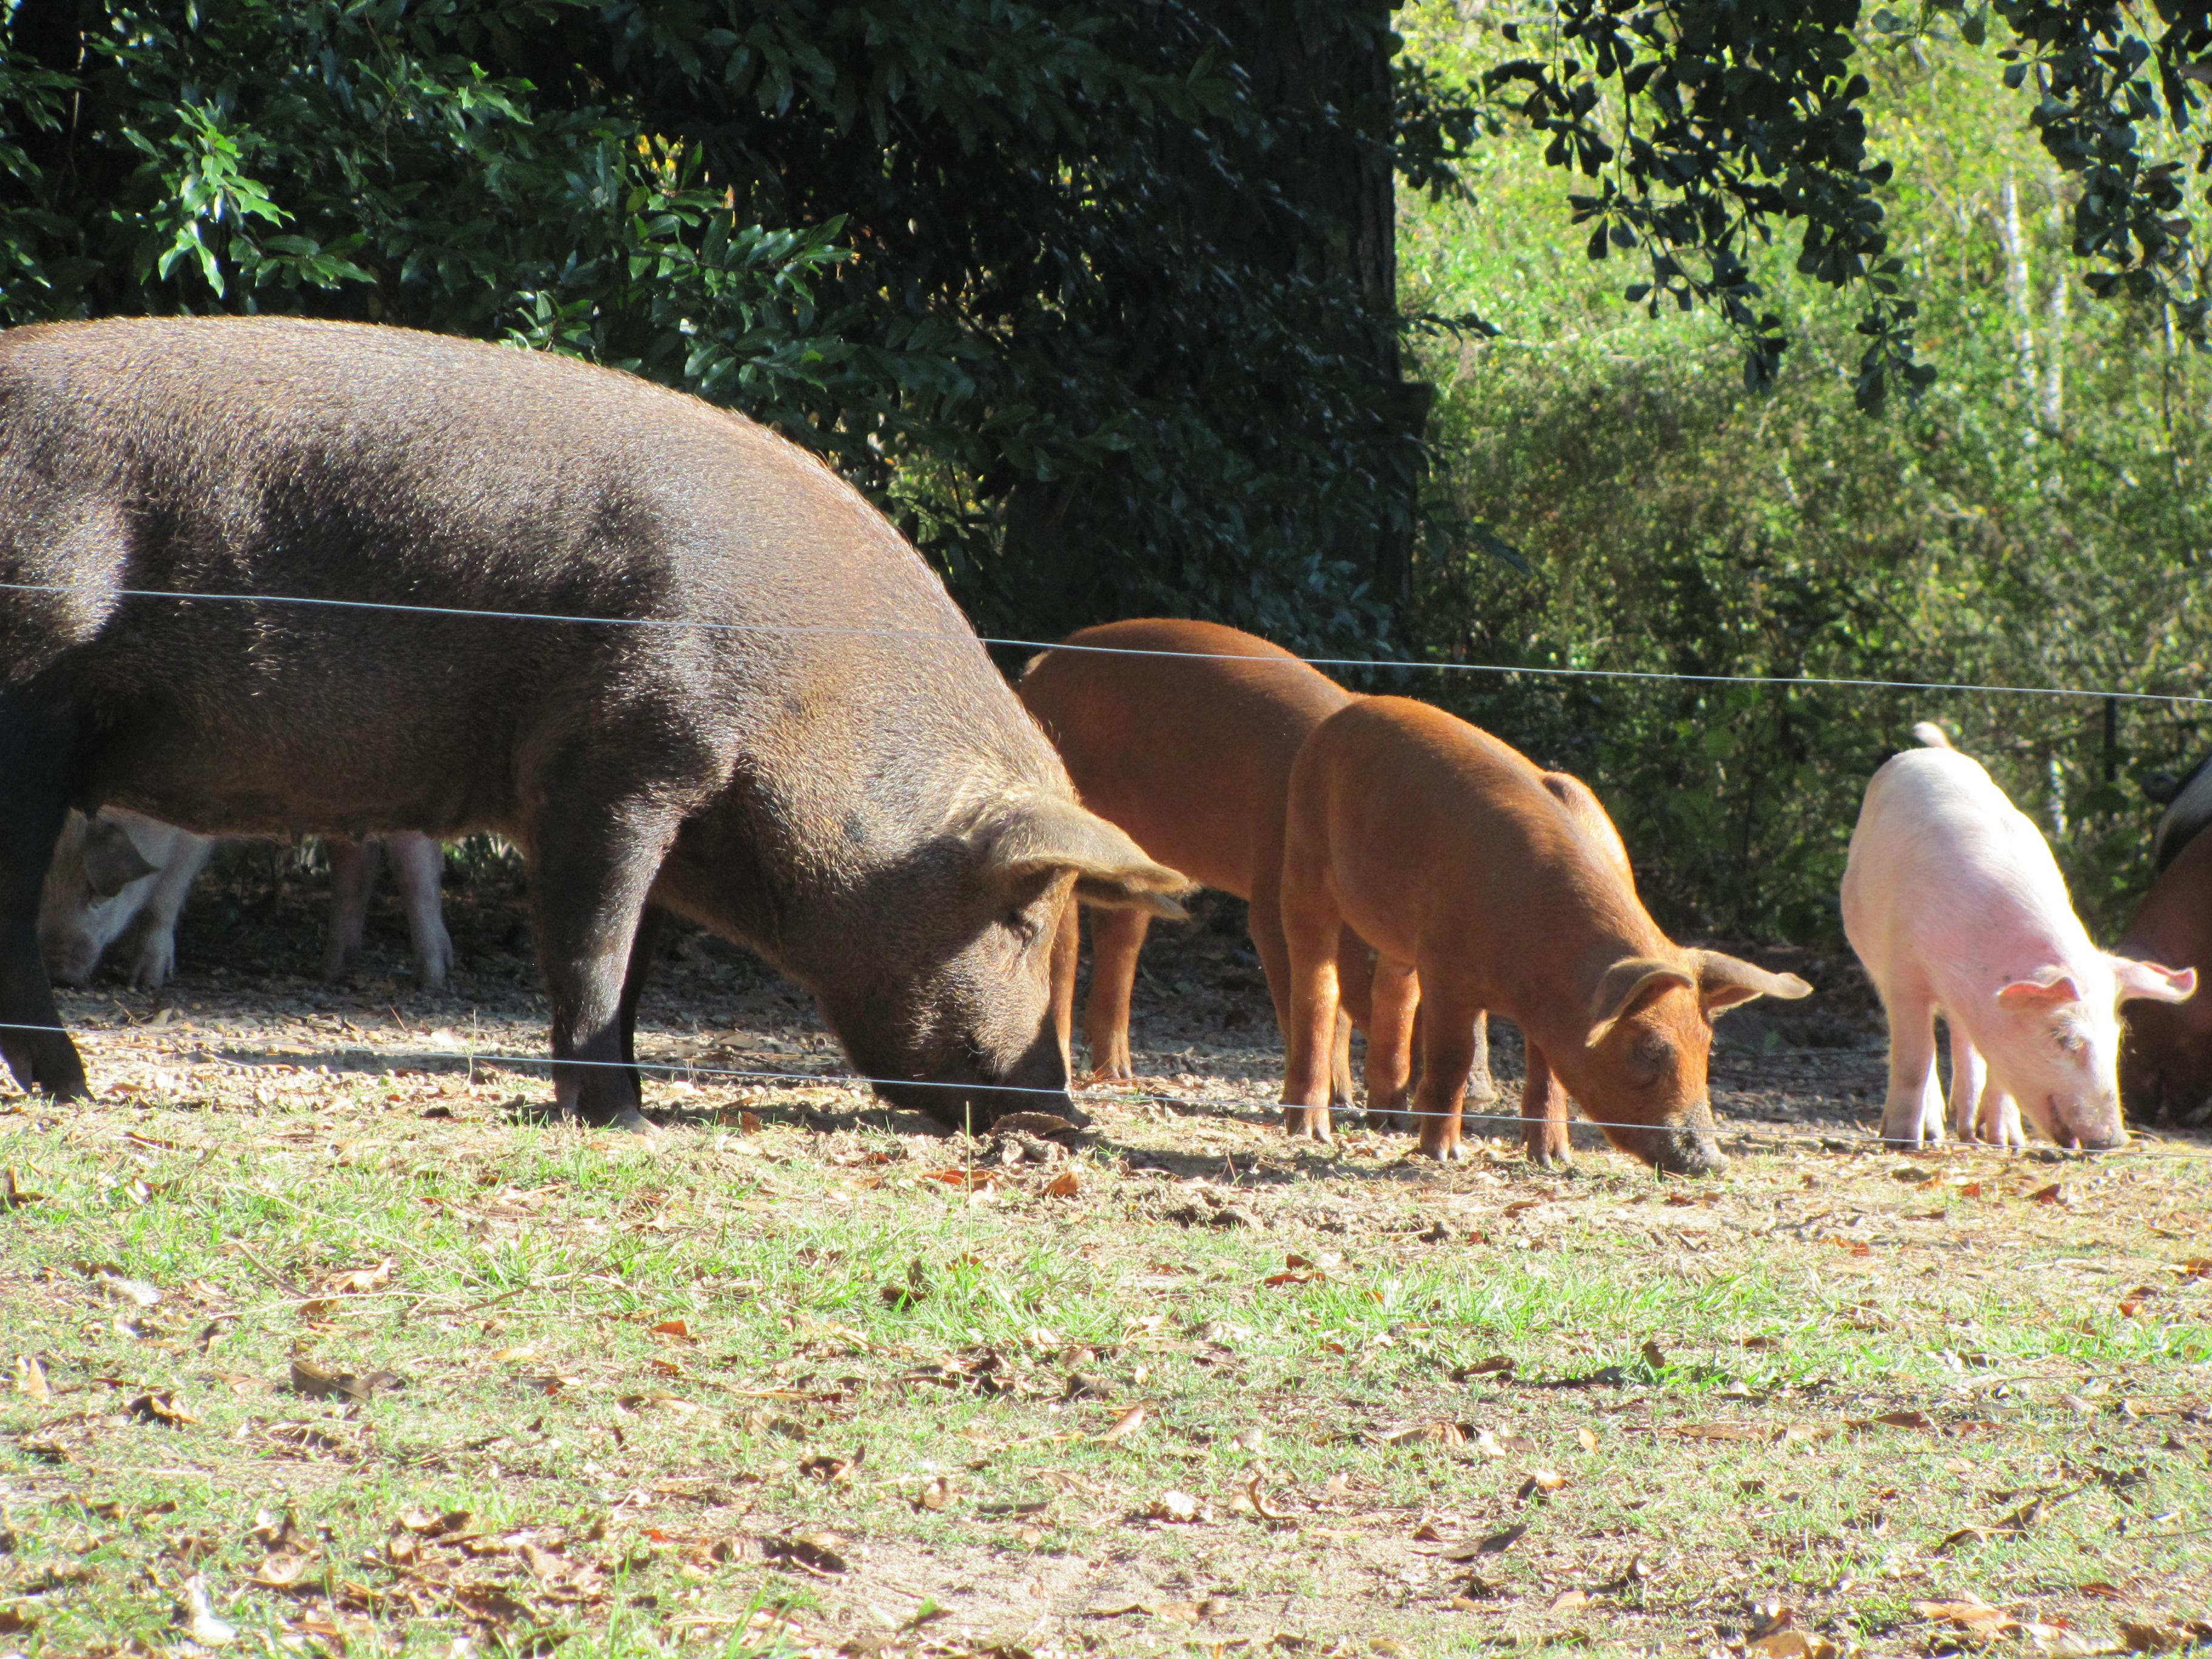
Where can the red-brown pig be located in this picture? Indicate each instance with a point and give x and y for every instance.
(1183, 733)
(2165, 1050)
(1461, 861)
(452, 586)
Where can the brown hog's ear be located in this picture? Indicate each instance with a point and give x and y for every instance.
(1043, 836)
(111, 859)
(1624, 983)
(1725, 980)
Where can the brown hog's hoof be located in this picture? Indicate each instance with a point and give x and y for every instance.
(1310, 1121)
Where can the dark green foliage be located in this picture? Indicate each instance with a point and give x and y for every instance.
(1096, 298)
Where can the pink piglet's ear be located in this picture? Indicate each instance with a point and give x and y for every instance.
(2152, 981)
(2039, 993)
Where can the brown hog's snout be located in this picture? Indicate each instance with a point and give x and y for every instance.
(977, 1095)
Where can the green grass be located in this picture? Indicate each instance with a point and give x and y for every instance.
(839, 1332)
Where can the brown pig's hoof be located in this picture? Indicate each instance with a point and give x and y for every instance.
(1310, 1121)
(1454, 1150)
(1109, 1072)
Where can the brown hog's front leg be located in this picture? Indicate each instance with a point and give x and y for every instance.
(650, 924)
(37, 1052)
(1543, 1111)
(590, 873)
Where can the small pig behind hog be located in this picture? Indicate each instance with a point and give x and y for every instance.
(1953, 901)
(119, 879)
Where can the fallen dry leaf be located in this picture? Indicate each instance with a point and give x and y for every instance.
(1173, 1506)
(1063, 1185)
(12, 1195)
(159, 1408)
(360, 1281)
(1128, 1423)
(1498, 1364)
(1791, 1645)
(1586, 1440)
(824, 1467)
(1568, 1600)
(934, 1494)
(283, 1571)
(673, 1330)
(1721, 1432)
(1542, 1480)
(201, 1623)
(816, 1553)
(1972, 1614)
(31, 1377)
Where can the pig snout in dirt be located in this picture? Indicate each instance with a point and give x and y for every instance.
(1953, 903)
(1493, 887)
(954, 1043)
(117, 877)
(667, 654)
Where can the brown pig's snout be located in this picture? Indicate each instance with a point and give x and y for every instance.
(1687, 1149)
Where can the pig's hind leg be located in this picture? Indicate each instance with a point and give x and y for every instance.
(36, 752)
(419, 863)
(1968, 1074)
(353, 878)
(1543, 1110)
(1912, 1111)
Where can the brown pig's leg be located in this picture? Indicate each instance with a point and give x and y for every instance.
(1447, 1056)
(1310, 923)
(1067, 947)
(1116, 938)
(1355, 994)
(1395, 995)
(1543, 1110)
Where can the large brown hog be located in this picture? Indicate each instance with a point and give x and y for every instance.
(1461, 861)
(796, 741)
(2165, 1052)
(1183, 733)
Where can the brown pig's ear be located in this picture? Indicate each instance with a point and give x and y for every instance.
(1725, 980)
(1625, 982)
(111, 859)
(1043, 836)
